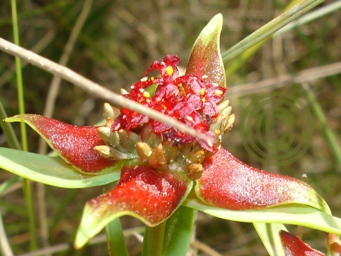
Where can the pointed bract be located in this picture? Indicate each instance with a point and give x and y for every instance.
(73, 143)
(294, 246)
(205, 60)
(143, 192)
(230, 184)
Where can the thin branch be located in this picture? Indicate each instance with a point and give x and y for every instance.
(99, 239)
(281, 81)
(95, 89)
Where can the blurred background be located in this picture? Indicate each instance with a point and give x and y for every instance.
(286, 96)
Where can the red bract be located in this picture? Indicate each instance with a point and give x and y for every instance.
(143, 192)
(73, 143)
(228, 183)
(294, 246)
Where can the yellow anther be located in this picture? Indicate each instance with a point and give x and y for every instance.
(202, 91)
(218, 92)
(146, 94)
(169, 70)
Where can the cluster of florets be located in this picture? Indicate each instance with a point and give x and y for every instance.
(187, 98)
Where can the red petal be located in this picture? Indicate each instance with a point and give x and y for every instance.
(296, 247)
(74, 143)
(228, 183)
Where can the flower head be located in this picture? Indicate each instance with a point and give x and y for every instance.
(162, 167)
(187, 98)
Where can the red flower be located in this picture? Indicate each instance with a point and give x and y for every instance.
(161, 165)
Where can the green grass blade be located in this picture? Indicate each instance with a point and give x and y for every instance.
(115, 238)
(267, 30)
(329, 134)
(178, 233)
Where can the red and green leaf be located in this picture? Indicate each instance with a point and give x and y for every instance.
(294, 246)
(73, 143)
(142, 192)
(205, 60)
(230, 184)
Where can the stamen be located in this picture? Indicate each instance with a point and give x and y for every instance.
(144, 79)
(202, 91)
(146, 95)
(218, 92)
(169, 70)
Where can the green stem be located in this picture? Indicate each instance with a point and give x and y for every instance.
(26, 183)
(20, 87)
(153, 240)
(115, 239)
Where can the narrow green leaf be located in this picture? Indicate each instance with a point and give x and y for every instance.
(115, 239)
(269, 234)
(153, 240)
(51, 170)
(205, 60)
(178, 233)
(294, 214)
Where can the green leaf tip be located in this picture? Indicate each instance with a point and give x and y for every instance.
(205, 60)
